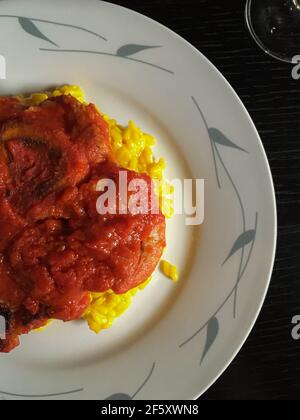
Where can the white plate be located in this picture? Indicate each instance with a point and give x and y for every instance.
(176, 339)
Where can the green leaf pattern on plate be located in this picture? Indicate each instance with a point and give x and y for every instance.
(31, 28)
(248, 236)
(212, 332)
(130, 49)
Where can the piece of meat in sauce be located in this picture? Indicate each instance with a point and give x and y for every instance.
(55, 248)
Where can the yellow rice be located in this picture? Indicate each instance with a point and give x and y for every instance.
(169, 270)
(133, 150)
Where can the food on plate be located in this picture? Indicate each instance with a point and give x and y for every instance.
(169, 270)
(60, 258)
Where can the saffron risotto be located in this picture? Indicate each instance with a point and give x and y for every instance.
(133, 150)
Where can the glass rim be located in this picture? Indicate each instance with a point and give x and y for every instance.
(257, 39)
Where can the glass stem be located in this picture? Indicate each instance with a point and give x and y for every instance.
(297, 4)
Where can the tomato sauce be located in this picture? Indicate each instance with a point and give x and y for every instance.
(55, 248)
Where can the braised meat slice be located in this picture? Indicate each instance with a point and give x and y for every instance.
(56, 247)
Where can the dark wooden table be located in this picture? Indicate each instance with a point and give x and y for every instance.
(268, 367)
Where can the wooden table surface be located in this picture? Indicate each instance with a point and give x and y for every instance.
(268, 367)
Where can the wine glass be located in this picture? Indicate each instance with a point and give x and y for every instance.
(275, 26)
